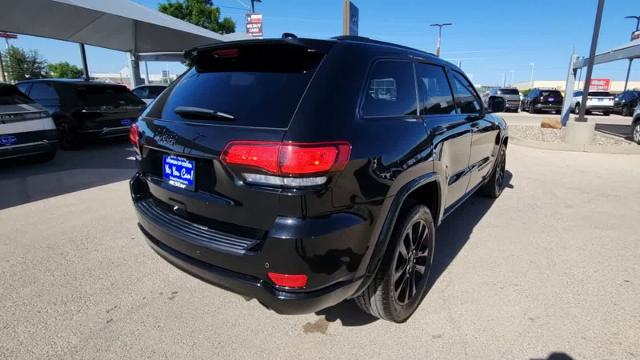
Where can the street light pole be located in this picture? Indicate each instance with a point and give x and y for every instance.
(637, 21)
(533, 65)
(439, 39)
(253, 6)
(590, 63)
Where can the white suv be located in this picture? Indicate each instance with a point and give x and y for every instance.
(598, 101)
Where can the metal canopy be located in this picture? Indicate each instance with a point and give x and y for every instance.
(113, 24)
(629, 51)
(625, 52)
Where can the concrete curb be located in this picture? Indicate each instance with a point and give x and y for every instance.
(628, 150)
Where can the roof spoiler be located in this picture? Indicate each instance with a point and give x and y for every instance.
(322, 46)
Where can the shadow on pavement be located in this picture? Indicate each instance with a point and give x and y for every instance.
(451, 236)
(104, 162)
(621, 131)
(557, 356)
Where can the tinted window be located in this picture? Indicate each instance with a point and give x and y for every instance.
(508, 92)
(577, 93)
(599, 93)
(24, 87)
(43, 91)
(466, 99)
(142, 92)
(106, 95)
(10, 95)
(552, 93)
(259, 85)
(391, 90)
(433, 90)
(154, 91)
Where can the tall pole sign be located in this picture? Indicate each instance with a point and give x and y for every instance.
(350, 19)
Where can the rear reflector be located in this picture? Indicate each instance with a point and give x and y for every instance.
(134, 135)
(288, 159)
(287, 280)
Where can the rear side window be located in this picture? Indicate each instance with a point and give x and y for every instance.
(258, 84)
(10, 95)
(466, 99)
(391, 90)
(434, 91)
(106, 95)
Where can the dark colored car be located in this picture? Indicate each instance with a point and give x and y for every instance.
(626, 102)
(26, 128)
(543, 100)
(84, 110)
(305, 172)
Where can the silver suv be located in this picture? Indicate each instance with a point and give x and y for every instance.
(511, 97)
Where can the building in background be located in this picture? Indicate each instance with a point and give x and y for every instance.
(123, 77)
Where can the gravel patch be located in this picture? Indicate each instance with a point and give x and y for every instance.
(536, 133)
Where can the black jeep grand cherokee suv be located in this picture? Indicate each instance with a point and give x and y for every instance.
(305, 172)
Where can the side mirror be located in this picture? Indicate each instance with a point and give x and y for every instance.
(497, 105)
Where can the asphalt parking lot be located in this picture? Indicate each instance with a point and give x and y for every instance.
(549, 268)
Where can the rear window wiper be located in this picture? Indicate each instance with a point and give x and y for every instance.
(201, 113)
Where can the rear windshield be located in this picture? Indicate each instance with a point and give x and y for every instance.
(107, 95)
(508, 92)
(550, 93)
(258, 85)
(600, 93)
(11, 95)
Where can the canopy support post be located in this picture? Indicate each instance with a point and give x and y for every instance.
(568, 90)
(85, 67)
(626, 82)
(134, 65)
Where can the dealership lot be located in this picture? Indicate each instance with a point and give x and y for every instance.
(551, 266)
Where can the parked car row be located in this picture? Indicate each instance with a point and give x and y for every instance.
(539, 100)
(37, 115)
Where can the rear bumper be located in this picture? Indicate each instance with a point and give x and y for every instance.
(33, 148)
(328, 250)
(282, 302)
(596, 107)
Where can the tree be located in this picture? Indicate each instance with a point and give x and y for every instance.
(65, 70)
(21, 65)
(199, 12)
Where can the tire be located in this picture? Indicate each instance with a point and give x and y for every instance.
(397, 300)
(606, 113)
(45, 157)
(576, 109)
(626, 110)
(558, 112)
(532, 109)
(495, 184)
(635, 132)
(69, 137)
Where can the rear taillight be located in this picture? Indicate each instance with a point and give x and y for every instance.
(287, 280)
(293, 164)
(134, 135)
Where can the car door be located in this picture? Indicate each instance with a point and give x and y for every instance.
(618, 101)
(45, 94)
(484, 131)
(449, 131)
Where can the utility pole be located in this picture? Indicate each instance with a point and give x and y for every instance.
(439, 38)
(592, 58)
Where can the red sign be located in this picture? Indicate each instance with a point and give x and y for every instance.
(8, 35)
(600, 84)
(254, 25)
